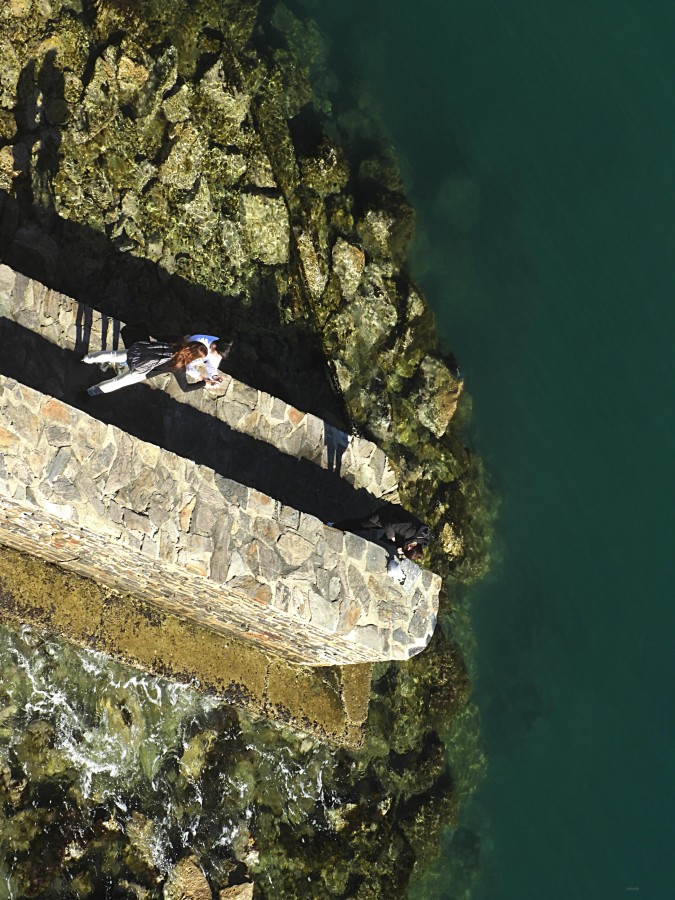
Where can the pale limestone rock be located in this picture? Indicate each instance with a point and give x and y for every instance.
(294, 549)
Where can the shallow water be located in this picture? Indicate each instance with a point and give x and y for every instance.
(538, 141)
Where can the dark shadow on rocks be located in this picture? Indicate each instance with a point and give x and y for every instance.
(336, 442)
(285, 360)
(111, 331)
(40, 111)
(157, 418)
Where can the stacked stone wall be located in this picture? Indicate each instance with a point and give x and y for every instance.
(138, 518)
(66, 323)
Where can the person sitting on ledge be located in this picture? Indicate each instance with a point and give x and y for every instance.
(144, 358)
(206, 369)
(391, 525)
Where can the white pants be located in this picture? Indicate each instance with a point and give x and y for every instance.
(120, 381)
(119, 357)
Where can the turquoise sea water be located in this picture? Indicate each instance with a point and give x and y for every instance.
(538, 139)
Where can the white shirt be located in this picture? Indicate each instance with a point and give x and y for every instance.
(210, 362)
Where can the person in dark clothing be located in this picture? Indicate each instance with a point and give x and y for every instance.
(143, 358)
(393, 527)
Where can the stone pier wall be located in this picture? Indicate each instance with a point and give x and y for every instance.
(140, 519)
(73, 326)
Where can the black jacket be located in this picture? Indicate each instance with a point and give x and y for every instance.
(389, 524)
(144, 356)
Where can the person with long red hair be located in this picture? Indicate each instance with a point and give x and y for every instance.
(143, 358)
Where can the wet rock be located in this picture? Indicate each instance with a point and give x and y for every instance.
(187, 882)
(9, 74)
(313, 265)
(141, 851)
(7, 171)
(132, 75)
(265, 227)
(237, 892)
(183, 164)
(363, 324)
(451, 541)
(327, 172)
(436, 398)
(225, 105)
(177, 107)
(100, 103)
(348, 264)
(386, 233)
(193, 758)
(302, 36)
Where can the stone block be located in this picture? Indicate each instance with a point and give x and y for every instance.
(324, 614)
(260, 503)
(63, 489)
(204, 518)
(7, 279)
(294, 549)
(370, 636)
(355, 547)
(376, 558)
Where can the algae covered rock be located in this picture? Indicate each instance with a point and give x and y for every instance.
(436, 398)
(265, 227)
(237, 892)
(348, 264)
(187, 882)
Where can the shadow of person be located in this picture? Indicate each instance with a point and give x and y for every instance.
(336, 442)
(40, 112)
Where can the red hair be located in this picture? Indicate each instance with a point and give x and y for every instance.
(187, 352)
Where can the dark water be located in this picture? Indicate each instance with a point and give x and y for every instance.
(538, 140)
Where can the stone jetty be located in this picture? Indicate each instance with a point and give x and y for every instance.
(132, 510)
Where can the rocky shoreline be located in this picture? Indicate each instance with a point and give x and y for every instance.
(189, 166)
